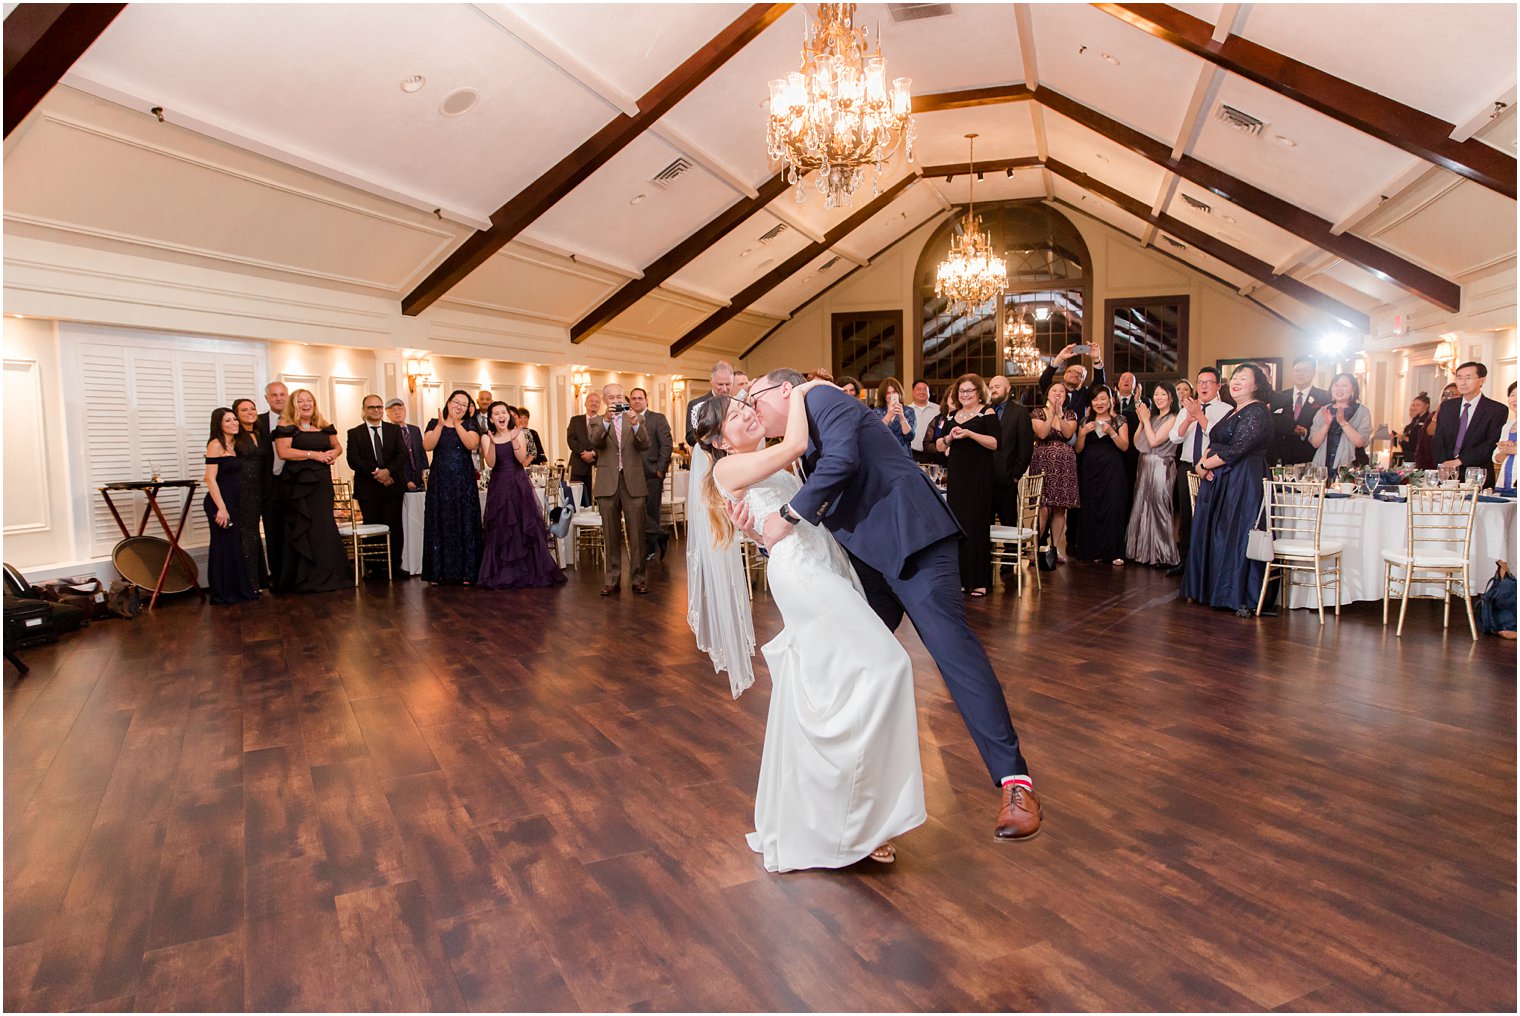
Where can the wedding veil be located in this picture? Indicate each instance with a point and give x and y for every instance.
(717, 590)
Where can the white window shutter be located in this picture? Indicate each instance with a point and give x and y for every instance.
(108, 448)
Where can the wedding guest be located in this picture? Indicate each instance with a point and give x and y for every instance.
(1468, 427)
(1504, 451)
(1150, 538)
(721, 380)
(1414, 442)
(1342, 428)
(1015, 447)
(1054, 425)
(821, 374)
(226, 566)
(969, 444)
(377, 455)
(1448, 393)
(900, 419)
(537, 454)
(1184, 390)
(516, 542)
(656, 465)
(1229, 499)
(414, 501)
(925, 412)
(1079, 388)
(1126, 396)
(1294, 410)
(741, 379)
(620, 439)
(314, 559)
(1185, 394)
(1102, 482)
(582, 455)
(483, 400)
(850, 386)
(1196, 419)
(276, 491)
(411, 438)
(451, 534)
(255, 482)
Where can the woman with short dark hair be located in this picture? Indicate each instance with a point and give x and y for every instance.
(969, 442)
(1343, 428)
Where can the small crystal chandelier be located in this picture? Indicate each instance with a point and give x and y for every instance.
(1020, 352)
(972, 274)
(835, 115)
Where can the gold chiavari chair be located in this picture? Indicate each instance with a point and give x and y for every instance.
(1295, 512)
(363, 540)
(1193, 479)
(672, 505)
(1014, 545)
(1437, 549)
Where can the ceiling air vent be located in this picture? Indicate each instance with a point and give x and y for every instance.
(667, 176)
(1175, 243)
(773, 232)
(1236, 120)
(830, 263)
(1196, 205)
(918, 12)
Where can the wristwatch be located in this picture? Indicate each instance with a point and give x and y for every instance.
(785, 511)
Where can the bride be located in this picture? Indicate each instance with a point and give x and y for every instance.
(840, 774)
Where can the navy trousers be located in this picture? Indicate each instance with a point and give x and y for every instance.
(929, 591)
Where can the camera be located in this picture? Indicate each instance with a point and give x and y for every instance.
(620, 407)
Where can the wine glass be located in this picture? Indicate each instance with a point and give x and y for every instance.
(1474, 476)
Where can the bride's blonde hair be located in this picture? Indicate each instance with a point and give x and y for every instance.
(709, 429)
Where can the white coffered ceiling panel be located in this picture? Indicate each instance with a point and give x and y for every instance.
(973, 46)
(1231, 224)
(662, 315)
(623, 216)
(1028, 182)
(533, 283)
(1203, 12)
(1204, 263)
(1394, 49)
(743, 255)
(1361, 288)
(1464, 228)
(1004, 131)
(600, 34)
(1329, 169)
(1099, 157)
(1143, 81)
(912, 207)
(323, 82)
(804, 285)
(1097, 207)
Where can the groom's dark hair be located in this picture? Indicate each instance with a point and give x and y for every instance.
(781, 374)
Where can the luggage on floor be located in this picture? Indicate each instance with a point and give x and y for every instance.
(28, 622)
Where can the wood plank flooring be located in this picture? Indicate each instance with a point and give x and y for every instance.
(410, 798)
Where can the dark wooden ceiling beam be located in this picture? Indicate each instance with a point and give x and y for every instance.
(969, 98)
(42, 41)
(1362, 253)
(677, 258)
(1218, 249)
(788, 268)
(1391, 122)
(574, 169)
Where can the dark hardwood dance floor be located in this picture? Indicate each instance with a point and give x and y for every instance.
(442, 799)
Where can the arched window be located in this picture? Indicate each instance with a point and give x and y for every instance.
(1049, 287)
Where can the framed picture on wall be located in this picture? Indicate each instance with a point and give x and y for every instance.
(1273, 365)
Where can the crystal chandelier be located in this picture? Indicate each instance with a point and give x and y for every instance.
(972, 274)
(835, 115)
(1019, 350)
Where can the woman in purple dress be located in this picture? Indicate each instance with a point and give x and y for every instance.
(516, 536)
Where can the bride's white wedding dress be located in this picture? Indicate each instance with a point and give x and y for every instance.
(840, 772)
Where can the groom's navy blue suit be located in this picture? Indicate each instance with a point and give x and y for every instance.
(904, 543)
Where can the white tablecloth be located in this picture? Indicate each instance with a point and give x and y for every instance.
(1366, 527)
(413, 508)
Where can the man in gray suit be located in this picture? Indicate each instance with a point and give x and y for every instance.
(619, 439)
(656, 465)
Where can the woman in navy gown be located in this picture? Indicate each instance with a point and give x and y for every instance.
(227, 568)
(451, 535)
(314, 559)
(1103, 482)
(516, 535)
(1229, 500)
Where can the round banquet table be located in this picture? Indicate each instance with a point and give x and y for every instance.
(1365, 527)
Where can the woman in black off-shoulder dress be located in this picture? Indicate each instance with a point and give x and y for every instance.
(314, 558)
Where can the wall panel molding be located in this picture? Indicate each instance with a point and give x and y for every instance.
(28, 504)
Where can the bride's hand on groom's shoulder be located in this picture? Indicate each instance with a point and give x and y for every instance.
(808, 386)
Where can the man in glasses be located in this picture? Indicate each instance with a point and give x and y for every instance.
(377, 455)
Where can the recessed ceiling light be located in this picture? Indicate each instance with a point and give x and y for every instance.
(413, 83)
(1228, 218)
(1100, 157)
(767, 262)
(1285, 141)
(637, 198)
(746, 252)
(459, 102)
(1110, 58)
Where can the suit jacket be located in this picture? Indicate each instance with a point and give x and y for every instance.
(417, 461)
(1015, 445)
(862, 488)
(1483, 431)
(579, 440)
(603, 439)
(693, 414)
(1288, 447)
(1076, 401)
(361, 459)
(657, 455)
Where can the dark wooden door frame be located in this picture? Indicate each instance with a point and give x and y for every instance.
(1112, 304)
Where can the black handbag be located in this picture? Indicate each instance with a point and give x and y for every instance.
(1045, 556)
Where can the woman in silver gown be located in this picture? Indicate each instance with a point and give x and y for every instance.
(1150, 539)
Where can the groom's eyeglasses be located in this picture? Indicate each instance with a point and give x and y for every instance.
(747, 398)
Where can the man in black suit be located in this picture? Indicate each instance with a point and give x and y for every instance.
(377, 455)
(656, 465)
(722, 378)
(582, 455)
(1469, 426)
(1127, 398)
(276, 395)
(1014, 450)
(536, 455)
(1293, 412)
(1078, 389)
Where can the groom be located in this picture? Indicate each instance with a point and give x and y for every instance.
(903, 541)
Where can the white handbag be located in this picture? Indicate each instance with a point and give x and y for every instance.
(1259, 540)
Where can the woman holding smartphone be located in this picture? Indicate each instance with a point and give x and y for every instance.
(899, 418)
(452, 541)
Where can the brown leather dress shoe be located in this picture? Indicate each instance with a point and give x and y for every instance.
(1019, 818)
(609, 590)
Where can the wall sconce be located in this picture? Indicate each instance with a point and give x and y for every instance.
(580, 383)
(417, 369)
(1446, 352)
(1359, 366)
(678, 385)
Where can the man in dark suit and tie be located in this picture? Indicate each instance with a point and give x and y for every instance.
(620, 439)
(411, 439)
(1468, 427)
(1015, 448)
(1127, 398)
(1293, 412)
(276, 395)
(722, 378)
(656, 465)
(582, 455)
(377, 455)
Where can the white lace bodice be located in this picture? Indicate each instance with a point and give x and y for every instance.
(809, 546)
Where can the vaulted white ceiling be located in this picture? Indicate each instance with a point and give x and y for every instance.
(291, 145)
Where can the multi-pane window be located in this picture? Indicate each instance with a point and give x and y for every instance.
(868, 347)
(1147, 336)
